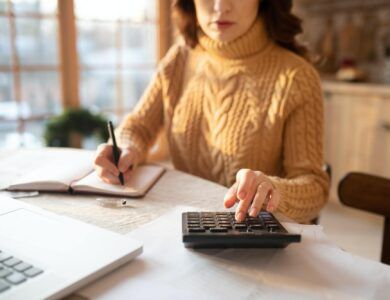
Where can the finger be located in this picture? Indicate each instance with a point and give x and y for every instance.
(104, 149)
(106, 164)
(262, 192)
(108, 177)
(127, 175)
(245, 179)
(244, 204)
(274, 200)
(231, 196)
(242, 208)
(126, 160)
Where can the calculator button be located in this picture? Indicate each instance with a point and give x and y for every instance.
(196, 229)
(193, 214)
(208, 226)
(257, 227)
(194, 226)
(239, 226)
(218, 229)
(208, 222)
(224, 224)
(240, 223)
(207, 214)
(227, 227)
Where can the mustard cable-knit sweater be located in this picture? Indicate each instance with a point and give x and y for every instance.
(248, 103)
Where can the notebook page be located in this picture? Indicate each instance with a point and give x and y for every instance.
(51, 168)
(143, 177)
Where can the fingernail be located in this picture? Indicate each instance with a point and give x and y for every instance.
(253, 212)
(242, 194)
(240, 216)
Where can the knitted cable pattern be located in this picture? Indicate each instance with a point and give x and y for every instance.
(244, 104)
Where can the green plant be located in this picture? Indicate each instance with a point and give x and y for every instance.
(58, 129)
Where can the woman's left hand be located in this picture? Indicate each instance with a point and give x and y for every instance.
(252, 190)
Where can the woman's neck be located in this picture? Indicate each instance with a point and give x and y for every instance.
(252, 42)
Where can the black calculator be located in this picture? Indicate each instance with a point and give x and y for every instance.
(220, 230)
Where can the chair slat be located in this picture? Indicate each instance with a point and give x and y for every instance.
(367, 192)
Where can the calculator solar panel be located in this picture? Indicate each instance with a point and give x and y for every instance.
(220, 230)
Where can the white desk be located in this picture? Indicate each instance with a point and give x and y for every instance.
(173, 189)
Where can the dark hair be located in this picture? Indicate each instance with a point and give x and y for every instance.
(281, 24)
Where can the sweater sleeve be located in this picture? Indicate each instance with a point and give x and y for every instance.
(304, 188)
(139, 129)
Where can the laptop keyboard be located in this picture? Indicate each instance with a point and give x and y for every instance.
(14, 271)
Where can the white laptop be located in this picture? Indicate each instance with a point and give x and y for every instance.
(44, 255)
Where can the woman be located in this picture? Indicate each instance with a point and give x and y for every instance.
(241, 106)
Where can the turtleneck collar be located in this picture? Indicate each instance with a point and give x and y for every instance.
(252, 42)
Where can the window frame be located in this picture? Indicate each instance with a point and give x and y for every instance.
(68, 65)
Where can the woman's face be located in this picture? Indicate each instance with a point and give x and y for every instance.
(226, 20)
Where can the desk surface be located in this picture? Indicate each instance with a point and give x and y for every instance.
(177, 189)
(172, 189)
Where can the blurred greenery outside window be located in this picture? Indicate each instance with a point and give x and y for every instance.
(116, 48)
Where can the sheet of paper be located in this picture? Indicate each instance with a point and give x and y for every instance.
(143, 177)
(312, 269)
(51, 164)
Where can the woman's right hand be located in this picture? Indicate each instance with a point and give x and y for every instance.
(105, 167)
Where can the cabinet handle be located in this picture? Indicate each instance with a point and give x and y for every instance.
(385, 126)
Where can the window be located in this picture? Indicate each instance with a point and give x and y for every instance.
(116, 55)
(29, 69)
(117, 52)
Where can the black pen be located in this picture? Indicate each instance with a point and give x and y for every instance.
(115, 150)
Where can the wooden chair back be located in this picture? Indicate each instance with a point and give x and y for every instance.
(369, 193)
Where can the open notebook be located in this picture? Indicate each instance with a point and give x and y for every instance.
(71, 170)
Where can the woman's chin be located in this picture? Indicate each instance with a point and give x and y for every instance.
(222, 36)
